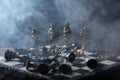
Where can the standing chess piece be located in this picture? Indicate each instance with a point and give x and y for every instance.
(83, 39)
(82, 34)
(33, 41)
(33, 38)
(51, 33)
(66, 32)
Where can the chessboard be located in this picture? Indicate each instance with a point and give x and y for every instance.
(79, 66)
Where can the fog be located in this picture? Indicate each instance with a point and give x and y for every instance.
(17, 17)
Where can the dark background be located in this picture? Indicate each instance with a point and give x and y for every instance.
(17, 17)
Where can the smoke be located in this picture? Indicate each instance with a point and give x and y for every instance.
(101, 16)
(18, 17)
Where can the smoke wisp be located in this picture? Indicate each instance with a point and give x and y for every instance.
(18, 17)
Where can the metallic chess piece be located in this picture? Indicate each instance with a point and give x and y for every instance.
(65, 69)
(51, 33)
(66, 29)
(66, 32)
(10, 55)
(33, 37)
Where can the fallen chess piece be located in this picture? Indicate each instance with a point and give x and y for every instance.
(92, 63)
(43, 67)
(10, 55)
(65, 69)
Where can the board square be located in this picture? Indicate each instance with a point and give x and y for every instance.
(108, 62)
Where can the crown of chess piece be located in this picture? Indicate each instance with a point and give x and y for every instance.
(92, 63)
(65, 69)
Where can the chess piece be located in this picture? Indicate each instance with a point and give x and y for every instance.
(67, 33)
(51, 33)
